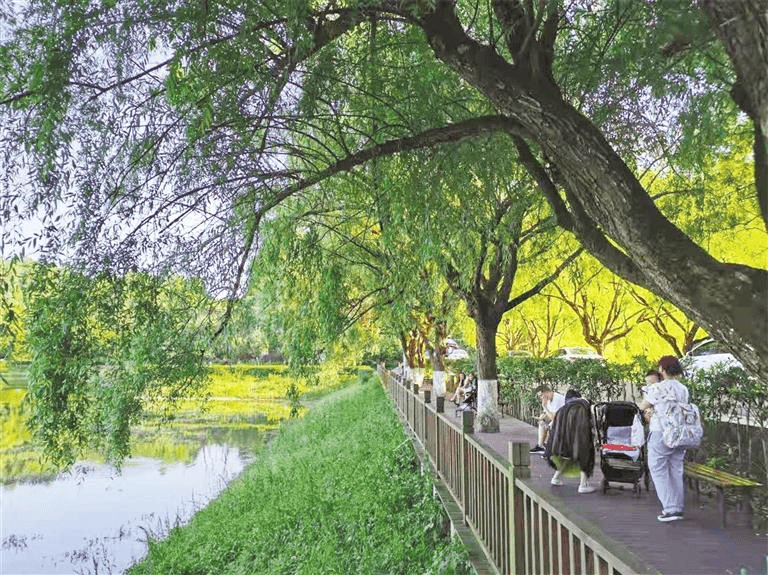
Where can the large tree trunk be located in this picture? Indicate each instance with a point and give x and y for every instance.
(486, 324)
(742, 26)
(485, 328)
(607, 205)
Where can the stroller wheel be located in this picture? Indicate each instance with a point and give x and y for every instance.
(637, 489)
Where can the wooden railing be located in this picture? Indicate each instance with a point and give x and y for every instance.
(519, 527)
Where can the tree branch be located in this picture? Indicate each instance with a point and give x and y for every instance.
(517, 300)
(446, 134)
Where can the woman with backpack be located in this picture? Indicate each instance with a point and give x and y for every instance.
(666, 463)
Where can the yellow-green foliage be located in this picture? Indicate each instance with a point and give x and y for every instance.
(17, 459)
(239, 398)
(164, 448)
(242, 391)
(14, 432)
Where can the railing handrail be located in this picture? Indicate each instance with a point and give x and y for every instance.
(624, 562)
(526, 546)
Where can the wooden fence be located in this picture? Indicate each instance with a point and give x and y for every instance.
(519, 528)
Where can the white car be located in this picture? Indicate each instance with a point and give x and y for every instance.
(453, 351)
(577, 353)
(707, 354)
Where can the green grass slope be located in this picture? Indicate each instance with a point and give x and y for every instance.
(336, 492)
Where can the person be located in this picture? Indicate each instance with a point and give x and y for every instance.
(651, 376)
(551, 401)
(570, 444)
(469, 393)
(664, 463)
(458, 394)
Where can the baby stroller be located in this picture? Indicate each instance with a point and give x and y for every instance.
(469, 403)
(621, 444)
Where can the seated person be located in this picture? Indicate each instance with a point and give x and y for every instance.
(460, 392)
(570, 445)
(469, 397)
(551, 401)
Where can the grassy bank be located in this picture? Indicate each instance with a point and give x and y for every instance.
(336, 492)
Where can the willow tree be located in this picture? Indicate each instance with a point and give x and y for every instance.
(165, 129)
(482, 224)
(104, 348)
(333, 262)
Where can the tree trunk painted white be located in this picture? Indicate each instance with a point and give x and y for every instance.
(438, 383)
(417, 375)
(487, 405)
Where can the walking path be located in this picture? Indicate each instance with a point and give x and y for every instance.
(694, 546)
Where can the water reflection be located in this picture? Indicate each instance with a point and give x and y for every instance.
(93, 520)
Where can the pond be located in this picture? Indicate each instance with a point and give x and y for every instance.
(94, 520)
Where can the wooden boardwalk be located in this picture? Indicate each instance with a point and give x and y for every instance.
(696, 545)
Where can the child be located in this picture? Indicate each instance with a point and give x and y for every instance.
(551, 401)
(652, 377)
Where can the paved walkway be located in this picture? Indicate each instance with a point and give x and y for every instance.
(696, 546)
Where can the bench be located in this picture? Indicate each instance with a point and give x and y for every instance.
(722, 480)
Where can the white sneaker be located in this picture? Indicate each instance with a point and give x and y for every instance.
(556, 481)
(587, 488)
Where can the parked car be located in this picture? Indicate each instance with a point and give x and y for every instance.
(454, 351)
(708, 353)
(577, 353)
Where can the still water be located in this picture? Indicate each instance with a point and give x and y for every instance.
(94, 520)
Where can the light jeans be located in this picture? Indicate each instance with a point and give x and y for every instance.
(666, 467)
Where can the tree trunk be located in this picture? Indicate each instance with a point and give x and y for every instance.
(742, 26)
(485, 328)
(729, 300)
(438, 361)
(486, 325)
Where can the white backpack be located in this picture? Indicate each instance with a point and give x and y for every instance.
(680, 423)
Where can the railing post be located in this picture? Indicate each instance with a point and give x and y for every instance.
(465, 470)
(437, 443)
(468, 421)
(519, 467)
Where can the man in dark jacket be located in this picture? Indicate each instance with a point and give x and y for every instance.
(570, 445)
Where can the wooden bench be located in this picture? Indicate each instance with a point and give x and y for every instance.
(722, 480)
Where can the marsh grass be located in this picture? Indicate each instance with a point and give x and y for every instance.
(337, 492)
